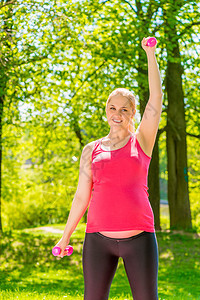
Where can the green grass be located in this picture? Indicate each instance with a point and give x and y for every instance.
(30, 271)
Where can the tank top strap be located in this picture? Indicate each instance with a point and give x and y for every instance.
(96, 145)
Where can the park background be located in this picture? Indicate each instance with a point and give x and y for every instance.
(59, 61)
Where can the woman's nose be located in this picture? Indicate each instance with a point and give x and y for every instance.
(118, 113)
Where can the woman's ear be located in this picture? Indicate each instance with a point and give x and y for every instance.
(134, 112)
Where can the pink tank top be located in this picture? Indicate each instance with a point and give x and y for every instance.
(119, 198)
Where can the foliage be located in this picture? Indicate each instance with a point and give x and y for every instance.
(59, 62)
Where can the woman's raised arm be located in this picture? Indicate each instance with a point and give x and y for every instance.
(148, 127)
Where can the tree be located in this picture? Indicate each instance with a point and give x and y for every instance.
(68, 57)
(178, 194)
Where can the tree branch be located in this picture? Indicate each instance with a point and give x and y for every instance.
(141, 70)
(110, 0)
(131, 6)
(8, 3)
(89, 75)
(160, 131)
(157, 28)
(139, 7)
(39, 58)
(193, 135)
(188, 27)
(101, 5)
(149, 11)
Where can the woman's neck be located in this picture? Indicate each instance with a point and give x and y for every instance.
(118, 136)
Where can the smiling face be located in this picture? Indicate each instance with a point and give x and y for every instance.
(119, 112)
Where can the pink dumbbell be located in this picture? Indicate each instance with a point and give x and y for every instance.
(151, 42)
(56, 250)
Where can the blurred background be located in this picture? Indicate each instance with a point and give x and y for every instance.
(59, 61)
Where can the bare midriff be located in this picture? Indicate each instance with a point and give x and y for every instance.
(121, 234)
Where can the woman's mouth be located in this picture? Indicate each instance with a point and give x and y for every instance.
(116, 121)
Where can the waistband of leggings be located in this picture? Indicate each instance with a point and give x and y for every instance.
(122, 239)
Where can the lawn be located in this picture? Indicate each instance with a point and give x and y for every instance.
(30, 271)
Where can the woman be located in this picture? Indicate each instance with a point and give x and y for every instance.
(120, 221)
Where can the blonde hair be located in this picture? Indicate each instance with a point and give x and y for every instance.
(129, 95)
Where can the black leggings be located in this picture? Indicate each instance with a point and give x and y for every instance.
(100, 260)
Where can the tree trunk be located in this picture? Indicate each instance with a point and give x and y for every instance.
(153, 174)
(154, 184)
(178, 195)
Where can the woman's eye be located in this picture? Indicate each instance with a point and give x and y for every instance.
(114, 108)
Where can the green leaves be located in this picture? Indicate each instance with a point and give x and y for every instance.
(58, 64)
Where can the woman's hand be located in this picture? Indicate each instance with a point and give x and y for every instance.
(63, 243)
(147, 49)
